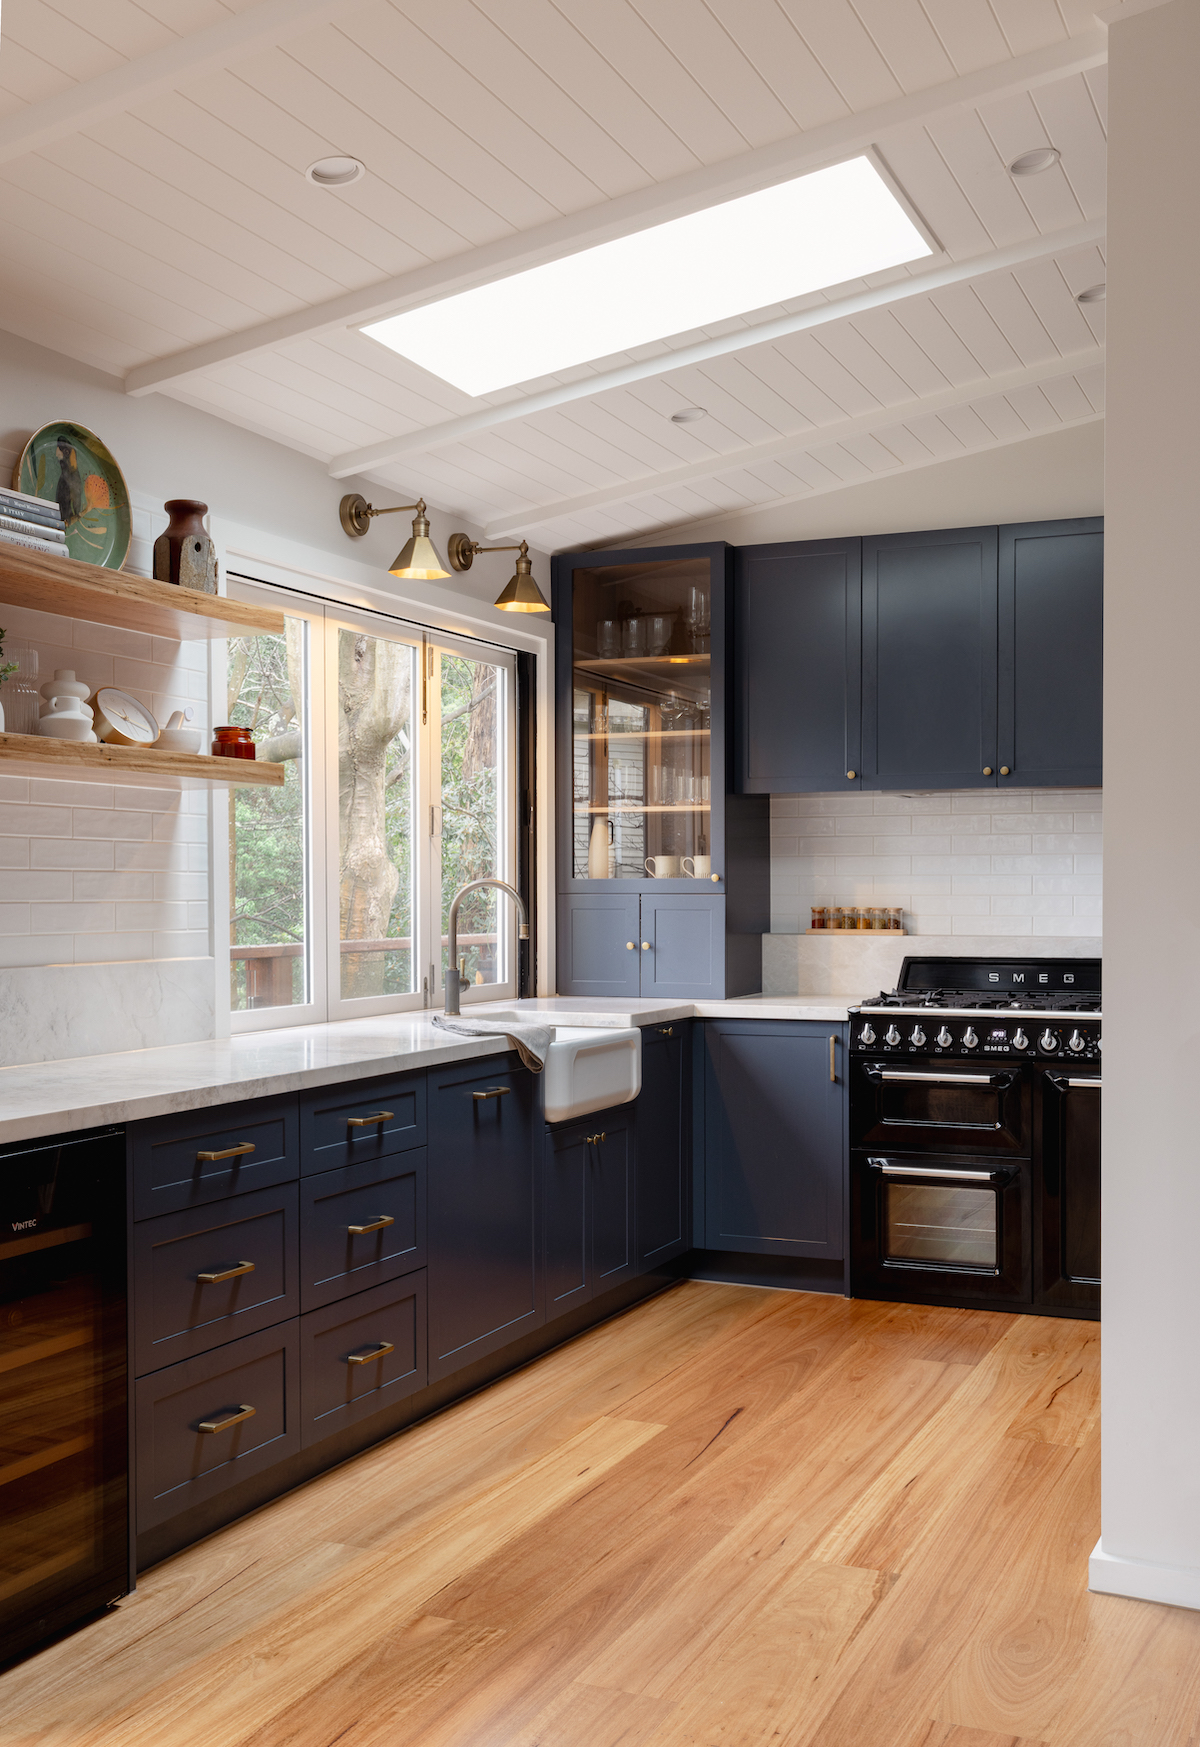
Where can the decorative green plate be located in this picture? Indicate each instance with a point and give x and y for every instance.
(69, 465)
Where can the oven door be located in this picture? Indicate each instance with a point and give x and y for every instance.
(898, 1105)
(1067, 1179)
(952, 1231)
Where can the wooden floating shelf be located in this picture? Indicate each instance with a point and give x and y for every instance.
(76, 590)
(647, 663)
(38, 755)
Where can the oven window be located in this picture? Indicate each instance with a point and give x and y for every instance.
(954, 1226)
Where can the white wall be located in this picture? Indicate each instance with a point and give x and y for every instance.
(1151, 1377)
(106, 925)
(1016, 864)
(1042, 479)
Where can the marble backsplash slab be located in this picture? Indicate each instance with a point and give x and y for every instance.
(60, 1011)
(862, 964)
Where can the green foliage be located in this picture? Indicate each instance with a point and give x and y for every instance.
(6, 667)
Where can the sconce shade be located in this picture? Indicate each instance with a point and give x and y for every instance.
(418, 560)
(521, 593)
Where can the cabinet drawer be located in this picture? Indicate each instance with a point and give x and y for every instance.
(178, 1311)
(337, 1127)
(186, 1161)
(335, 1258)
(361, 1355)
(180, 1464)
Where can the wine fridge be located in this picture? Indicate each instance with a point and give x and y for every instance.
(64, 1508)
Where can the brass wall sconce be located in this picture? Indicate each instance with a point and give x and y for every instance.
(520, 593)
(418, 559)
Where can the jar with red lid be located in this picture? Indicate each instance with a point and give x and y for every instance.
(231, 742)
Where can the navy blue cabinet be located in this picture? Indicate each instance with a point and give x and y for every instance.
(588, 1193)
(798, 684)
(645, 802)
(1051, 654)
(662, 1180)
(773, 1144)
(484, 1288)
(929, 660)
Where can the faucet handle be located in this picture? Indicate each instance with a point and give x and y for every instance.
(522, 931)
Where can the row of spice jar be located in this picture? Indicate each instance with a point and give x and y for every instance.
(847, 916)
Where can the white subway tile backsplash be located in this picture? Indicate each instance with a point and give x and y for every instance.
(27, 887)
(26, 821)
(53, 792)
(68, 852)
(1013, 863)
(76, 918)
(115, 887)
(93, 822)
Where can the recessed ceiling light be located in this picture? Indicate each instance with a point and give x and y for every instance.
(1034, 162)
(687, 415)
(335, 172)
(833, 225)
(1093, 294)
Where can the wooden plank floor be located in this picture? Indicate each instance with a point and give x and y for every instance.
(730, 1516)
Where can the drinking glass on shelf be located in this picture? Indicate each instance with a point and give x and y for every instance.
(633, 636)
(19, 694)
(658, 632)
(608, 638)
(696, 618)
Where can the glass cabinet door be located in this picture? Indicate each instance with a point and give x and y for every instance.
(642, 721)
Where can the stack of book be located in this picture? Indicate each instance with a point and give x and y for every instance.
(31, 521)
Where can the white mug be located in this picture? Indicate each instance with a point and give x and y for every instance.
(663, 867)
(701, 868)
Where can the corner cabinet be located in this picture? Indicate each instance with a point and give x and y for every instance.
(663, 871)
(962, 658)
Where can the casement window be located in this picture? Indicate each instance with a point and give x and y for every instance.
(398, 745)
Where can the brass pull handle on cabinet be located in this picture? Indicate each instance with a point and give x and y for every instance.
(629, 946)
(370, 1121)
(230, 1419)
(229, 1152)
(226, 1274)
(987, 770)
(375, 1225)
(715, 878)
(376, 1352)
(1005, 771)
(851, 774)
(832, 1061)
(645, 946)
(666, 1031)
(593, 1139)
(492, 1092)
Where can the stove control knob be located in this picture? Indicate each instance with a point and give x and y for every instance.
(1020, 1041)
(866, 1035)
(891, 1036)
(944, 1039)
(969, 1038)
(1048, 1042)
(917, 1038)
(1076, 1041)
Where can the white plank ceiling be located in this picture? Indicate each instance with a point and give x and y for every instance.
(155, 208)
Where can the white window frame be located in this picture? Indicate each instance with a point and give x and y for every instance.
(326, 620)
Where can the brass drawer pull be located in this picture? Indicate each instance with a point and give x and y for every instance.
(369, 1121)
(231, 1419)
(594, 1139)
(833, 1061)
(375, 1225)
(226, 1274)
(229, 1152)
(377, 1352)
(666, 1031)
(492, 1092)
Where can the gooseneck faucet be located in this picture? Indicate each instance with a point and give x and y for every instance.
(455, 982)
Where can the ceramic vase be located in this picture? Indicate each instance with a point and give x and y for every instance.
(184, 554)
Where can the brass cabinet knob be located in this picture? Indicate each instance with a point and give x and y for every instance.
(629, 946)
(852, 774)
(987, 770)
(715, 878)
(645, 946)
(1004, 770)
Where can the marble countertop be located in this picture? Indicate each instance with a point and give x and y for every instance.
(42, 1098)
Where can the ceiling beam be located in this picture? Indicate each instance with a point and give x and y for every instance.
(874, 424)
(717, 346)
(746, 174)
(92, 100)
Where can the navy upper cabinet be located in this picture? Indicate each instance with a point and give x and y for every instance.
(798, 685)
(929, 660)
(663, 871)
(1051, 654)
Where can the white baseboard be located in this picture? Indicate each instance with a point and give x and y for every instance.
(1109, 1574)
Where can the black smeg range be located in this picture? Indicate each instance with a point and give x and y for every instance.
(975, 1136)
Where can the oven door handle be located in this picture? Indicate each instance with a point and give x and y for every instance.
(890, 1169)
(1065, 1083)
(1000, 1082)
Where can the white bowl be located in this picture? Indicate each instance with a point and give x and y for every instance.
(177, 740)
(66, 727)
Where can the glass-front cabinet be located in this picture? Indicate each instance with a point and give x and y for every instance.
(648, 894)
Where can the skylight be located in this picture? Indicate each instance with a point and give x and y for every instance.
(821, 229)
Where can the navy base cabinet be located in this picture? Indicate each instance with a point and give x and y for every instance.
(774, 1155)
(662, 1175)
(589, 1208)
(483, 1224)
